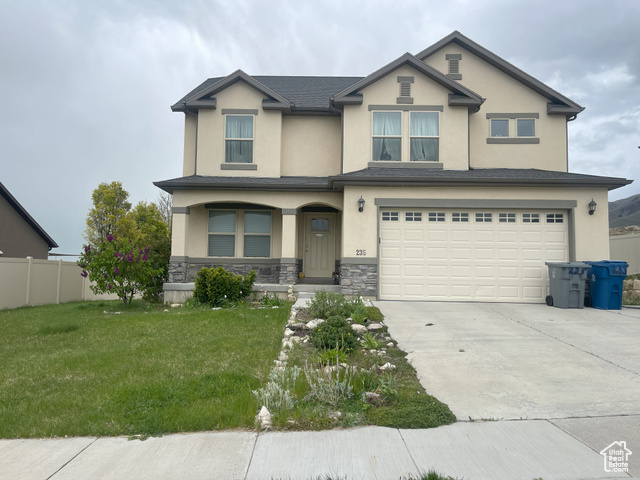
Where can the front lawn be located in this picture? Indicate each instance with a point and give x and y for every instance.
(86, 369)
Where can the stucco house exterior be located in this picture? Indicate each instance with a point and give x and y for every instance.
(441, 176)
(20, 235)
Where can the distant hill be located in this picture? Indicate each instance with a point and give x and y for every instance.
(625, 212)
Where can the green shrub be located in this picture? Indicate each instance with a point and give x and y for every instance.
(333, 356)
(374, 314)
(359, 313)
(334, 333)
(329, 304)
(217, 287)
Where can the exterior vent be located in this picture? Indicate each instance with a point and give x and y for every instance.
(405, 90)
(454, 66)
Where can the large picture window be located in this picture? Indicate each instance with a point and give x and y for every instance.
(222, 233)
(387, 136)
(239, 139)
(257, 234)
(425, 130)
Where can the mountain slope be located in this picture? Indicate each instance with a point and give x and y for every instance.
(624, 212)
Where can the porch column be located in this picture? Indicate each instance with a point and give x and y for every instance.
(179, 261)
(288, 266)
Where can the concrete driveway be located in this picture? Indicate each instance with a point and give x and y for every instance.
(577, 368)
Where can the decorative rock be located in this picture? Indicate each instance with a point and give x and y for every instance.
(387, 366)
(288, 332)
(297, 326)
(283, 357)
(334, 415)
(295, 340)
(314, 323)
(264, 418)
(174, 305)
(390, 344)
(371, 397)
(216, 308)
(375, 326)
(279, 364)
(287, 344)
(165, 310)
(356, 327)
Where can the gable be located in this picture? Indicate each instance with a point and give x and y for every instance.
(436, 55)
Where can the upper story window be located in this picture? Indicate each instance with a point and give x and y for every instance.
(387, 136)
(512, 128)
(239, 139)
(425, 132)
(391, 142)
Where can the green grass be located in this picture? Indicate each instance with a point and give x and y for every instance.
(80, 369)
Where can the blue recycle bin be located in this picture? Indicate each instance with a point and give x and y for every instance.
(606, 283)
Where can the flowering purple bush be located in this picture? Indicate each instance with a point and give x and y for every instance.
(118, 266)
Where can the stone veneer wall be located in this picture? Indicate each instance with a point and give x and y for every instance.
(359, 279)
(631, 291)
(285, 273)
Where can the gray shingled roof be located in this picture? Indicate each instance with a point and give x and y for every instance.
(412, 177)
(483, 176)
(202, 182)
(303, 92)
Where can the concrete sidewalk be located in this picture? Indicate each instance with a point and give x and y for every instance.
(512, 450)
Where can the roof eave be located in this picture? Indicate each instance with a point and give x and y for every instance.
(339, 182)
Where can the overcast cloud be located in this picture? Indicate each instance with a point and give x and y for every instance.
(86, 85)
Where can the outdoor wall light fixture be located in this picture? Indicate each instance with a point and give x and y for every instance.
(361, 204)
(592, 206)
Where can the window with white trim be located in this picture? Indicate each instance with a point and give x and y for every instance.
(239, 139)
(222, 233)
(436, 217)
(507, 217)
(459, 217)
(525, 127)
(555, 218)
(499, 127)
(483, 217)
(424, 136)
(530, 218)
(387, 136)
(389, 216)
(413, 216)
(257, 233)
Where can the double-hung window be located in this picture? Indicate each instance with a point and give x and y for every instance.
(257, 234)
(239, 139)
(222, 233)
(245, 229)
(425, 132)
(387, 136)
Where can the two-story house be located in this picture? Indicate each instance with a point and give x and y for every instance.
(440, 176)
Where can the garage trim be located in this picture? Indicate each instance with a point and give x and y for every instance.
(567, 206)
(474, 203)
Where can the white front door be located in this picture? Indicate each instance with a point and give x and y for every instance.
(319, 245)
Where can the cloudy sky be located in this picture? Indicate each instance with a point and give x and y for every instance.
(86, 86)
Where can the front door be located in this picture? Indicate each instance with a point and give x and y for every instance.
(320, 245)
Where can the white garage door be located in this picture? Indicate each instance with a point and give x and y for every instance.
(469, 255)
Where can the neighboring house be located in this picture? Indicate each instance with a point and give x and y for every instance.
(440, 176)
(20, 234)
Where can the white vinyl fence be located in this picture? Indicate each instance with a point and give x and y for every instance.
(29, 281)
(626, 248)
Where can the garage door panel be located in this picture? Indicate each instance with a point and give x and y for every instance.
(415, 253)
(414, 235)
(469, 261)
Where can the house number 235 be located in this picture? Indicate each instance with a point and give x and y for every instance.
(361, 252)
